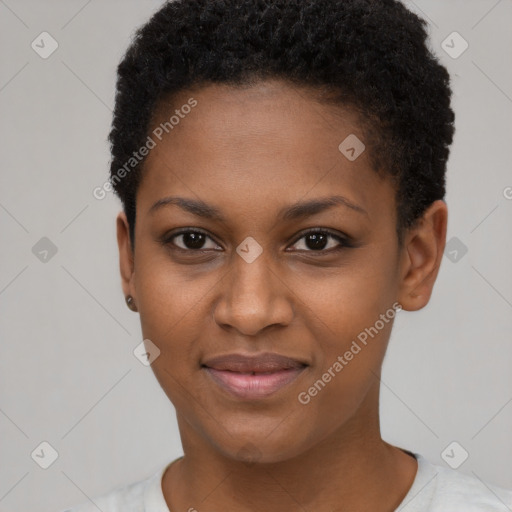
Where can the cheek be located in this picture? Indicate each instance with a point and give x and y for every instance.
(348, 299)
(350, 314)
(174, 316)
(170, 295)
(349, 357)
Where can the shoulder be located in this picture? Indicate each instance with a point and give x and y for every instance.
(129, 498)
(459, 489)
(446, 490)
(125, 498)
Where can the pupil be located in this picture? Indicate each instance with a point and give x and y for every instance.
(318, 241)
(193, 240)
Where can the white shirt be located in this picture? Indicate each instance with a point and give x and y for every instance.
(435, 489)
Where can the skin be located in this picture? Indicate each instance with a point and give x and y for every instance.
(251, 152)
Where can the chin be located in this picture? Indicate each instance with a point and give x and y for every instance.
(260, 448)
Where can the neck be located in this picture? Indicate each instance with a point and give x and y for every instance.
(352, 469)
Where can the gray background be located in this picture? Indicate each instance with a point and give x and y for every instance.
(67, 372)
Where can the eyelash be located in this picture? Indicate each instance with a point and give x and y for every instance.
(344, 242)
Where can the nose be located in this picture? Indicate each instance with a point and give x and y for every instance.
(253, 297)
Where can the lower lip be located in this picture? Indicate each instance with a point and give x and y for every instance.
(252, 387)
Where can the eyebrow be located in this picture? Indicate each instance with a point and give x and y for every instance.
(295, 211)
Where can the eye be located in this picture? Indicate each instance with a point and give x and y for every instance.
(191, 240)
(321, 240)
(318, 240)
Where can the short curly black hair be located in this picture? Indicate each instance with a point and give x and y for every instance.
(372, 54)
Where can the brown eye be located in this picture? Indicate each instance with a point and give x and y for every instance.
(191, 241)
(320, 241)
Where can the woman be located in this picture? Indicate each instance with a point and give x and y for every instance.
(281, 166)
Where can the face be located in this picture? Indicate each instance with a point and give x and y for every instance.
(266, 269)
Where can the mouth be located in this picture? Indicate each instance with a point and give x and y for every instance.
(253, 377)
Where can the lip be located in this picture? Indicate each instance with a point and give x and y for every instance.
(253, 377)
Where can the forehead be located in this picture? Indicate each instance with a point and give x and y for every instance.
(271, 142)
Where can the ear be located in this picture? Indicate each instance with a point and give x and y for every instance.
(423, 251)
(125, 256)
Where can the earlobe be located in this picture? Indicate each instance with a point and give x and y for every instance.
(422, 255)
(126, 262)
